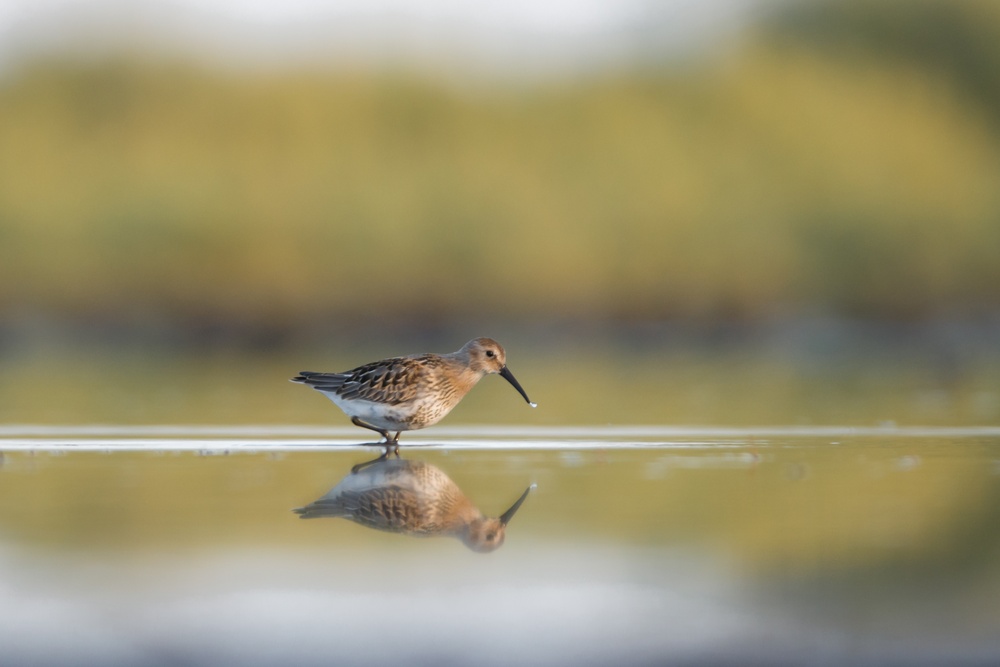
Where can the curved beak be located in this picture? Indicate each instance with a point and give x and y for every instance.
(509, 514)
(509, 377)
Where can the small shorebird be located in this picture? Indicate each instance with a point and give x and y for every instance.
(412, 498)
(413, 392)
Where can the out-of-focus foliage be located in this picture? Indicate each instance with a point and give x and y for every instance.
(955, 38)
(846, 158)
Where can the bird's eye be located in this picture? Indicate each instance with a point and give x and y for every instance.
(490, 536)
(490, 353)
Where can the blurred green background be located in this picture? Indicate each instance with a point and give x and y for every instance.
(798, 220)
(733, 213)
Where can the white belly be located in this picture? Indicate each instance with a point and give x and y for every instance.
(380, 415)
(403, 417)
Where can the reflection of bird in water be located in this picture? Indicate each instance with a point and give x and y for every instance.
(409, 393)
(413, 498)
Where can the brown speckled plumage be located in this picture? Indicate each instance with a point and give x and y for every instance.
(413, 392)
(412, 498)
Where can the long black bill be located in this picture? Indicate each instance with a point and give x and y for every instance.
(509, 514)
(509, 377)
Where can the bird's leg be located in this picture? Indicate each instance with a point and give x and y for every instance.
(362, 466)
(391, 442)
(380, 431)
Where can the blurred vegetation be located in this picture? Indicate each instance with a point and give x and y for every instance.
(956, 39)
(844, 157)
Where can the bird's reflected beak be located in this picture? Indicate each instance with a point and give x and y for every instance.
(509, 514)
(509, 377)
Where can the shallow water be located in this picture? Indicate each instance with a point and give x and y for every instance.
(640, 545)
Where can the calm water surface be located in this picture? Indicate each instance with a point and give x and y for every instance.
(644, 545)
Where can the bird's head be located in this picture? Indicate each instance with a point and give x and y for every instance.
(487, 356)
(486, 534)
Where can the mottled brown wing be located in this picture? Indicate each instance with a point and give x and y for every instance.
(391, 382)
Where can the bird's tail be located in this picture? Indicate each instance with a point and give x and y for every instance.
(320, 381)
(319, 509)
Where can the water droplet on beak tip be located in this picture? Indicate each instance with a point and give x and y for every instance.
(534, 405)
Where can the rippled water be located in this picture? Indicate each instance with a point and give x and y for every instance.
(640, 545)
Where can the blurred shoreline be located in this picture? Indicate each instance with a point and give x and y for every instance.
(814, 338)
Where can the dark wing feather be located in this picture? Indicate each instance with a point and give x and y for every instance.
(321, 381)
(390, 381)
(320, 508)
